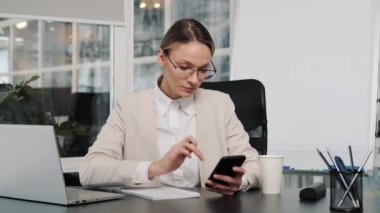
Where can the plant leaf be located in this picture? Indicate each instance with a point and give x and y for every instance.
(3, 96)
(33, 78)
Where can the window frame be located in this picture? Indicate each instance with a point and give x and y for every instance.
(122, 60)
(168, 21)
(69, 164)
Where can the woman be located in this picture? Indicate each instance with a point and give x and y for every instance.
(175, 133)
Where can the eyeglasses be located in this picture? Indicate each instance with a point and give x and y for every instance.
(201, 73)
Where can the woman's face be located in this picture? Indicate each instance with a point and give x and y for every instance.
(177, 83)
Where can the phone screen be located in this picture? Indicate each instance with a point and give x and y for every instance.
(225, 165)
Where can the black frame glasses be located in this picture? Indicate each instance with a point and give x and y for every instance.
(204, 73)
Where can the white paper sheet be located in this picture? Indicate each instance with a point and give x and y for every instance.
(161, 193)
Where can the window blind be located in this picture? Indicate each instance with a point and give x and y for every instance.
(84, 11)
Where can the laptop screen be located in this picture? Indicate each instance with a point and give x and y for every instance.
(30, 165)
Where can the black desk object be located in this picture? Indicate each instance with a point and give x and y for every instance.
(313, 192)
(209, 202)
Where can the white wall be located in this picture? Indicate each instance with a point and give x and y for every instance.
(318, 61)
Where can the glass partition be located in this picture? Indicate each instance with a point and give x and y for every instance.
(216, 16)
(25, 48)
(57, 45)
(4, 51)
(153, 18)
(64, 71)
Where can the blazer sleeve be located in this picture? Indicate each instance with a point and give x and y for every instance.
(238, 143)
(104, 163)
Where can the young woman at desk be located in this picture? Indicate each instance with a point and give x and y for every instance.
(175, 133)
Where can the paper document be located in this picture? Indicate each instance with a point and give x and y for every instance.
(161, 193)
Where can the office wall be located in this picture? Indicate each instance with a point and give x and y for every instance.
(318, 60)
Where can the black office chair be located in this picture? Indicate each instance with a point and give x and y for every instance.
(249, 98)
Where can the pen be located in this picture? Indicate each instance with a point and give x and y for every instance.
(342, 178)
(351, 158)
(356, 176)
(345, 173)
(324, 159)
(340, 164)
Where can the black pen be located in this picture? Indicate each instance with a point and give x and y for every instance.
(351, 158)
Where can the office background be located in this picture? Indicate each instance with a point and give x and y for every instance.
(319, 62)
(317, 59)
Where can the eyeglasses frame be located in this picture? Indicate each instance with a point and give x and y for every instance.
(192, 70)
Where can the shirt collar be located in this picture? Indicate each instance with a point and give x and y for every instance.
(163, 102)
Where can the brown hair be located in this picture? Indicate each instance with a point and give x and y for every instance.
(184, 31)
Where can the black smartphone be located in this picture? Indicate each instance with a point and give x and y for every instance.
(224, 167)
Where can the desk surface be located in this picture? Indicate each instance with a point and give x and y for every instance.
(208, 202)
(251, 201)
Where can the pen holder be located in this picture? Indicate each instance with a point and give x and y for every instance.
(344, 200)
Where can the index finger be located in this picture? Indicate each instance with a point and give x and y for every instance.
(192, 140)
(193, 148)
(199, 153)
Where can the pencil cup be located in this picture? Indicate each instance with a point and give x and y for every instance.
(344, 200)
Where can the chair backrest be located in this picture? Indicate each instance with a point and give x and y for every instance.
(249, 98)
(90, 109)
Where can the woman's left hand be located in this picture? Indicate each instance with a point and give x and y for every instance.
(231, 185)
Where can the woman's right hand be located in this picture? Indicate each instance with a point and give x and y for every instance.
(175, 157)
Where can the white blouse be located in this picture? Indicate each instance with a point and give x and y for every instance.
(175, 119)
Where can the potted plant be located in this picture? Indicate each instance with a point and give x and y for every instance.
(19, 106)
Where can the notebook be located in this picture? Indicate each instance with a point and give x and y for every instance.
(30, 168)
(161, 193)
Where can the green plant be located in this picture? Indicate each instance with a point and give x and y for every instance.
(19, 106)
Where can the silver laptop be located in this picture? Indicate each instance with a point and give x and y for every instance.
(30, 168)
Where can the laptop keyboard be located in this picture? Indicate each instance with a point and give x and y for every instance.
(78, 194)
(81, 195)
(84, 195)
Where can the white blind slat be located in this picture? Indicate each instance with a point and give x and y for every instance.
(86, 11)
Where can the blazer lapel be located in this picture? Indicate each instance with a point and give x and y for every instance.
(201, 126)
(208, 135)
(148, 128)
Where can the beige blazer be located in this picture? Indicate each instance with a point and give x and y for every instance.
(129, 136)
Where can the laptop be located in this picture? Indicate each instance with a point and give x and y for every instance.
(30, 168)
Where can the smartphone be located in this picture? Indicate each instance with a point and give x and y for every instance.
(224, 167)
